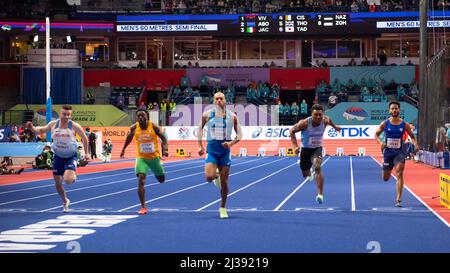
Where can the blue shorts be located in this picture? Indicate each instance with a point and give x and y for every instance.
(60, 165)
(218, 155)
(392, 158)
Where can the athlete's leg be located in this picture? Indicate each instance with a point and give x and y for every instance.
(317, 163)
(141, 188)
(224, 174)
(210, 171)
(69, 176)
(399, 168)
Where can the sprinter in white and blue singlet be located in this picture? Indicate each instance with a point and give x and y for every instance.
(393, 147)
(65, 148)
(219, 123)
(312, 129)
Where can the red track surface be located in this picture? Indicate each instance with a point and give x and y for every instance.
(423, 181)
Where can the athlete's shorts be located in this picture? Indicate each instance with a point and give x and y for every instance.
(143, 165)
(391, 158)
(60, 165)
(218, 155)
(307, 156)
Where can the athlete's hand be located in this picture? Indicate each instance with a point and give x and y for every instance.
(383, 146)
(226, 145)
(165, 153)
(201, 151)
(122, 154)
(297, 150)
(338, 128)
(87, 157)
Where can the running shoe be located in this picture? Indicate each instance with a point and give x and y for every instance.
(398, 204)
(66, 205)
(143, 211)
(223, 213)
(319, 198)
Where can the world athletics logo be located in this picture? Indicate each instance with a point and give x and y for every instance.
(183, 133)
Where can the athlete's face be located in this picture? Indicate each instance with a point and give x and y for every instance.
(65, 115)
(219, 99)
(142, 117)
(317, 116)
(394, 110)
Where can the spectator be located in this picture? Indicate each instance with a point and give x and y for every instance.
(374, 62)
(409, 63)
(294, 109)
(150, 106)
(14, 135)
(121, 101)
(81, 162)
(155, 106)
(286, 109)
(304, 108)
(401, 92)
(441, 137)
(324, 64)
(90, 97)
(265, 64)
(45, 159)
(332, 100)
(107, 150)
(365, 62)
(448, 136)
(92, 144)
(382, 56)
(272, 64)
(177, 65)
(172, 106)
(140, 65)
(5, 170)
(352, 62)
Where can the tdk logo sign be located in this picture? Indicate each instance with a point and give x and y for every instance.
(350, 132)
(73, 2)
(271, 132)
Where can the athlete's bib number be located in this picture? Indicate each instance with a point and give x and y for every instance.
(147, 148)
(393, 143)
(315, 141)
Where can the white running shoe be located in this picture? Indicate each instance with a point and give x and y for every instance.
(66, 205)
(319, 198)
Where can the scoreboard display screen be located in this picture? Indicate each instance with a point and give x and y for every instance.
(293, 25)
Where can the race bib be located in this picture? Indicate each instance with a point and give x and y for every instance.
(393, 143)
(147, 148)
(315, 141)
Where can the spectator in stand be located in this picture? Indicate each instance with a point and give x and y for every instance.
(382, 56)
(295, 109)
(324, 64)
(352, 62)
(286, 110)
(14, 135)
(365, 62)
(121, 101)
(414, 90)
(392, 85)
(409, 63)
(332, 100)
(401, 92)
(304, 108)
(350, 85)
(374, 62)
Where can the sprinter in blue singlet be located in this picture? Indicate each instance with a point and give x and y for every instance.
(393, 146)
(220, 123)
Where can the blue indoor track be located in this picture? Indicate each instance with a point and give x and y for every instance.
(272, 209)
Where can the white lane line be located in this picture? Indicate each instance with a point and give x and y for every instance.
(352, 186)
(295, 190)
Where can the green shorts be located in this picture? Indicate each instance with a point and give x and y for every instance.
(142, 166)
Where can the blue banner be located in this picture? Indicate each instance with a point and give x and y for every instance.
(368, 113)
(4, 133)
(27, 149)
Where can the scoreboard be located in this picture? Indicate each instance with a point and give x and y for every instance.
(283, 25)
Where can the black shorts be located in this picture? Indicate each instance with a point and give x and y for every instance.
(307, 156)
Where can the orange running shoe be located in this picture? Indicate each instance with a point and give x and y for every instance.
(143, 211)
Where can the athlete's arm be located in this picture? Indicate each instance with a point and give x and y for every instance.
(378, 133)
(203, 121)
(299, 126)
(328, 121)
(165, 145)
(237, 128)
(40, 129)
(79, 130)
(412, 136)
(128, 140)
